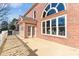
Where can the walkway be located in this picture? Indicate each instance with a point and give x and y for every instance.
(15, 47)
(48, 48)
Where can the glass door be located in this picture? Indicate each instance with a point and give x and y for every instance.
(31, 31)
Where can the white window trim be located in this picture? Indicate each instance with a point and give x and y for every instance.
(56, 26)
(51, 8)
(57, 5)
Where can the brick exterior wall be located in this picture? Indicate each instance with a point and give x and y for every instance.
(72, 11)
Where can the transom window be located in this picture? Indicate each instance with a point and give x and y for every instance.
(55, 26)
(53, 8)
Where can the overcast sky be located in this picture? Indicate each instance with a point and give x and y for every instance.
(18, 9)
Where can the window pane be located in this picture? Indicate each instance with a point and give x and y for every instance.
(61, 26)
(43, 30)
(48, 27)
(48, 30)
(52, 11)
(29, 30)
(60, 7)
(44, 13)
(43, 27)
(54, 22)
(48, 7)
(54, 30)
(54, 26)
(43, 24)
(33, 31)
(61, 31)
(61, 21)
(54, 4)
(48, 23)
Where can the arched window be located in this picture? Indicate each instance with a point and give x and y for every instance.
(56, 26)
(53, 8)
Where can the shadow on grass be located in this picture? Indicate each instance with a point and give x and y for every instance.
(32, 53)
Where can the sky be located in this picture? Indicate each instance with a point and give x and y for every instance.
(17, 9)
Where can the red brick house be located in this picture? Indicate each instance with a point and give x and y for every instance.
(57, 22)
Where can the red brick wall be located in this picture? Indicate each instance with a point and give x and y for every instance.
(72, 25)
(38, 9)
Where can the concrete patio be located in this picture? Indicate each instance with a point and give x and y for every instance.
(17, 46)
(48, 48)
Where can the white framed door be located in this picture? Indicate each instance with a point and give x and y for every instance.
(31, 31)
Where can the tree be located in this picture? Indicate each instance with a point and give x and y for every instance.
(14, 21)
(12, 25)
(4, 25)
(4, 9)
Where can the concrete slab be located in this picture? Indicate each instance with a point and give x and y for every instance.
(48, 48)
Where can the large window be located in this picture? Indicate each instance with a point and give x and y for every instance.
(55, 26)
(53, 8)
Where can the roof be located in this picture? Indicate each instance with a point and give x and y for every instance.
(35, 4)
(28, 20)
